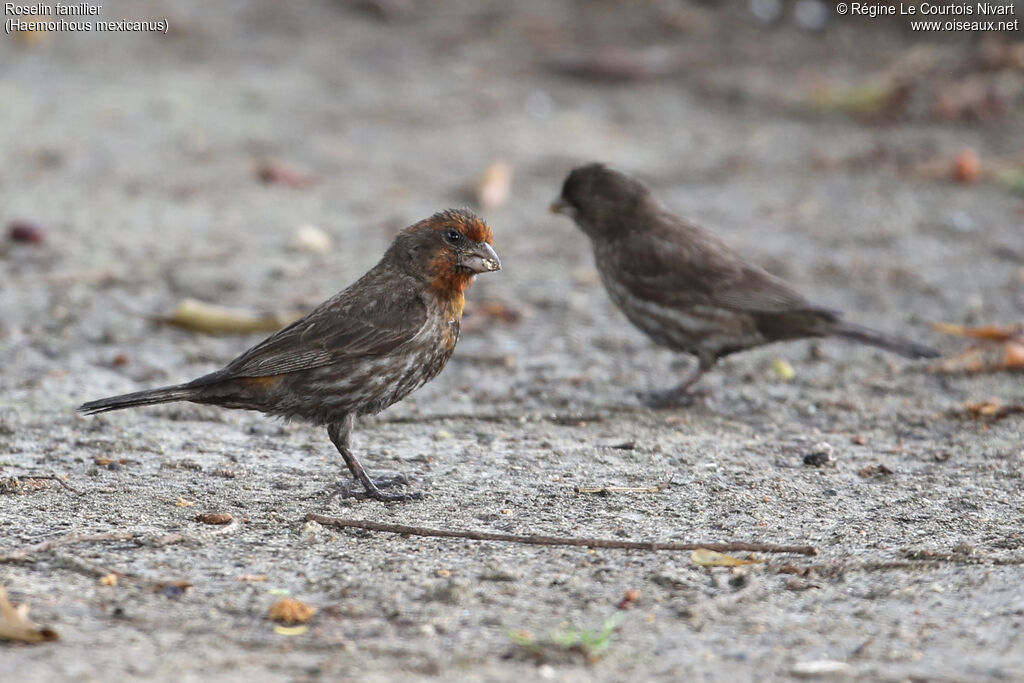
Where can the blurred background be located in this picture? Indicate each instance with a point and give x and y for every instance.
(263, 154)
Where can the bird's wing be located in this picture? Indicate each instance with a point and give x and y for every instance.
(683, 266)
(363, 320)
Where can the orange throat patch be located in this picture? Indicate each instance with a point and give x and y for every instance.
(449, 288)
(450, 282)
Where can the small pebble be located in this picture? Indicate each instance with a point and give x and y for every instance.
(172, 591)
(311, 239)
(820, 455)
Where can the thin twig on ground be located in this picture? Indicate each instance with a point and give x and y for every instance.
(657, 488)
(12, 484)
(553, 540)
(570, 419)
(57, 479)
(77, 564)
(70, 539)
(25, 554)
(931, 564)
(195, 536)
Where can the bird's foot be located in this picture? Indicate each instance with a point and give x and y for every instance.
(372, 489)
(672, 398)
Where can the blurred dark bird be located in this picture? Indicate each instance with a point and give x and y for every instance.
(360, 351)
(688, 290)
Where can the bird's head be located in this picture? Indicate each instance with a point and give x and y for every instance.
(446, 250)
(602, 200)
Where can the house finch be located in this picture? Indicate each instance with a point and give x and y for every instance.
(360, 351)
(688, 290)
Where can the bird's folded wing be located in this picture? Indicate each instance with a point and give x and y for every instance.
(342, 328)
(675, 270)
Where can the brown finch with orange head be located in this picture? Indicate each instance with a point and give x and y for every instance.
(360, 351)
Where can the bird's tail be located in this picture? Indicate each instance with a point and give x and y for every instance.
(883, 340)
(179, 392)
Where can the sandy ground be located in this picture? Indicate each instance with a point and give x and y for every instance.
(136, 154)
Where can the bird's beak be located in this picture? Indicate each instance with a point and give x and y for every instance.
(481, 258)
(563, 207)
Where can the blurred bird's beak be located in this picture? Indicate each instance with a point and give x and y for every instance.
(563, 207)
(480, 259)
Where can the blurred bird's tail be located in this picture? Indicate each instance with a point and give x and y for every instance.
(180, 392)
(883, 340)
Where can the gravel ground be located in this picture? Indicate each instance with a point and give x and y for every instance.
(137, 155)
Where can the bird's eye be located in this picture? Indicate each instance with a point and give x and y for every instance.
(453, 236)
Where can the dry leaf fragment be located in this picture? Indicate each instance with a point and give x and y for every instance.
(290, 611)
(990, 332)
(290, 630)
(214, 517)
(482, 314)
(494, 186)
(617, 64)
(629, 598)
(992, 410)
(792, 569)
(783, 369)
(970, 98)
(15, 624)
(171, 589)
(999, 347)
(498, 310)
(872, 470)
(107, 462)
(26, 232)
(199, 316)
(966, 166)
(32, 37)
(280, 173)
(182, 503)
(984, 357)
(877, 98)
(982, 409)
(711, 558)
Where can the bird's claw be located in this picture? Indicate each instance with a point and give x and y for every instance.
(373, 490)
(392, 497)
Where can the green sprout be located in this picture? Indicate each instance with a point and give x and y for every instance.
(591, 645)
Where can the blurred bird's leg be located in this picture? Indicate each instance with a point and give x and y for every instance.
(682, 395)
(340, 433)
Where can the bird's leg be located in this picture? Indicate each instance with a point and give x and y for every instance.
(340, 433)
(681, 395)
